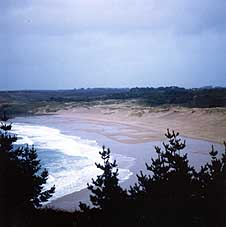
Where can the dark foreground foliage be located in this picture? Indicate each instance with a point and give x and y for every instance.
(21, 179)
(173, 194)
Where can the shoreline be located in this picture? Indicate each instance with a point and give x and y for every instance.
(132, 124)
(101, 122)
(207, 124)
(149, 124)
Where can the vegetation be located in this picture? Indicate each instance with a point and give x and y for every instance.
(201, 97)
(29, 102)
(173, 194)
(108, 198)
(21, 177)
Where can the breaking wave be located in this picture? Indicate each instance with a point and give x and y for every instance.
(70, 160)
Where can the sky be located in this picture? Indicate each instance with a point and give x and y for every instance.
(64, 44)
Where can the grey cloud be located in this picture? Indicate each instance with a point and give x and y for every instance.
(87, 43)
(72, 16)
(110, 60)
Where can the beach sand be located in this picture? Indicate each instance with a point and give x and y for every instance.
(139, 124)
(142, 124)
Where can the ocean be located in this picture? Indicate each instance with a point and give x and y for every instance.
(69, 151)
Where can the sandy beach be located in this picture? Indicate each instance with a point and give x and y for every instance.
(142, 124)
(138, 124)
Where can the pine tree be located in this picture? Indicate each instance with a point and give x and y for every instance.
(107, 197)
(173, 194)
(212, 185)
(164, 195)
(22, 179)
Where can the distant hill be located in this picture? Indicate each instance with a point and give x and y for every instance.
(28, 101)
(197, 97)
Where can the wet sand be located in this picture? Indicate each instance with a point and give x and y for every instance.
(142, 124)
(133, 125)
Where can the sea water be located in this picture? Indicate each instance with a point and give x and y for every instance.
(69, 152)
(69, 160)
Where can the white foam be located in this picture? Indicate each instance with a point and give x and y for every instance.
(51, 138)
(77, 173)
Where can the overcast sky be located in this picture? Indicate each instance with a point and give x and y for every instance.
(60, 44)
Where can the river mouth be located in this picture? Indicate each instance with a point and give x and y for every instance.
(69, 149)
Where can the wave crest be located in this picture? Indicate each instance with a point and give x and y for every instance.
(69, 159)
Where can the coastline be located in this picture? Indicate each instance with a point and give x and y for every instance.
(70, 202)
(144, 124)
(135, 129)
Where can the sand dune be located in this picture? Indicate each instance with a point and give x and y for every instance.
(142, 124)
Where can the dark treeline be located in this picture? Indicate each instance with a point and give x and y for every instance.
(201, 98)
(173, 194)
(23, 102)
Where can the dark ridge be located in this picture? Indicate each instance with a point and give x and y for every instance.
(28, 101)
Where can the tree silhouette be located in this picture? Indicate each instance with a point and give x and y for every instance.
(21, 178)
(212, 180)
(107, 197)
(175, 194)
